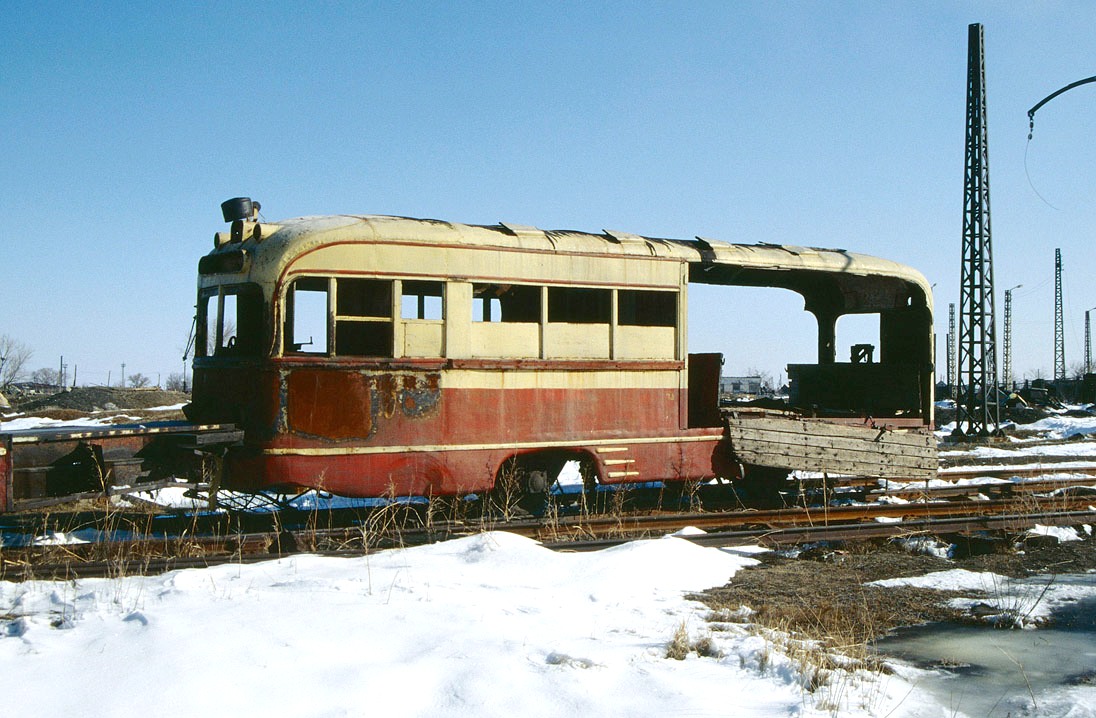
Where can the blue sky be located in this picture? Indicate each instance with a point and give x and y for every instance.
(816, 123)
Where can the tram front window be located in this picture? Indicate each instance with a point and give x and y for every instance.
(230, 321)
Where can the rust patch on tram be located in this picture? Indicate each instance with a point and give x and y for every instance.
(343, 405)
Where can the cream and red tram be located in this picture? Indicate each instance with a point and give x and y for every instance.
(378, 356)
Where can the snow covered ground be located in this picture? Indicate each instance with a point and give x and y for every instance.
(19, 422)
(492, 625)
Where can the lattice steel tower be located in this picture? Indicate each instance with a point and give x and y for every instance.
(1006, 345)
(1059, 333)
(1088, 342)
(951, 351)
(979, 411)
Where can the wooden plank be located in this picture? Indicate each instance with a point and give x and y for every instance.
(814, 445)
(819, 459)
(865, 446)
(899, 452)
(827, 428)
(894, 448)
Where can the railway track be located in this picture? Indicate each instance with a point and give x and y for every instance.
(728, 528)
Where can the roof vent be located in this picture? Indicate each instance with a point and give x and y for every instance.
(239, 208)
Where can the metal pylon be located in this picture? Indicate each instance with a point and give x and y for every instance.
(1059, 331)
(978, 408)
(1088, 343)
(1006, 346)
(951, 350)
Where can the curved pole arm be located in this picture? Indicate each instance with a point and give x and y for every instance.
(1051, 96)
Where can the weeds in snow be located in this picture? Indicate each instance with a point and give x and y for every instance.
(682, 644)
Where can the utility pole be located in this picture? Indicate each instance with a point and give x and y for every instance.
(123, 384)
(1059, 332)
(1006, 348)
(978, 412)
(951, 351)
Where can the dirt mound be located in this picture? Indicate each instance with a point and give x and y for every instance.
(90, 399)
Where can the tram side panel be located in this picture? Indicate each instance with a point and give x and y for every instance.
(359, 431)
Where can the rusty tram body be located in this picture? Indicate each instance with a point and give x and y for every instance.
(375, 356)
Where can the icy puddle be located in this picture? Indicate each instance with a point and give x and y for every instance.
(983, 672)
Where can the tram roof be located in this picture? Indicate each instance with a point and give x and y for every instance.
(764, 262)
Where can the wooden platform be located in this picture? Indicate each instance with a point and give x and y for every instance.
(830, 447)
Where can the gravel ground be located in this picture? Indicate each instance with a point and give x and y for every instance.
(822, 592)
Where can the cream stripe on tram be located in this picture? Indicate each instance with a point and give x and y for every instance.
(363, 450)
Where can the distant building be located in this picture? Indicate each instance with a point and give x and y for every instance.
(740, 385)
(32, 388)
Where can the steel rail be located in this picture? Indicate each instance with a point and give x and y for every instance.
(777, 525)
(774, 537)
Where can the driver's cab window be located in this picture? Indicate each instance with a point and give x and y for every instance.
(231, 321)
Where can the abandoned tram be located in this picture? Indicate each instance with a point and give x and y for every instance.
(375, 356)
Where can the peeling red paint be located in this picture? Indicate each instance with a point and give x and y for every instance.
(329, 404)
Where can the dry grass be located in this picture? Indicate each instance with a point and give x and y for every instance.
(682, 644)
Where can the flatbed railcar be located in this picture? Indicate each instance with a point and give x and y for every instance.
(389, 356)
(44, 467)
(374, 356)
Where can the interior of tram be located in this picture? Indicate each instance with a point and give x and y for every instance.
(812, 359)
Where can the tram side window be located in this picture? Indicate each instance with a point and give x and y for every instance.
(642, 308)
(505, 303)
(306, 316)
(363, 317)
(422, 300)
(579, 305)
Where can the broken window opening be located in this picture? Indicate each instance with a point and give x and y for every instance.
(644, 308)
(364, 298)
(505, 303)
(857, 338)
(230, 321)
(363, 321)
(306, 303)
(206, 342)
(423, 300)
(579, 305)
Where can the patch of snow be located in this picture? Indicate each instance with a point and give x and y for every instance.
(1062, 533)
(489, 625)
(58, 538)
(1018, 601)
(168, 407)
(927, 545)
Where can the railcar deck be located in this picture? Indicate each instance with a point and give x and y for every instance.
(51, 465)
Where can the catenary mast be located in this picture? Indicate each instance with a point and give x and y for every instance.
(978, 408)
